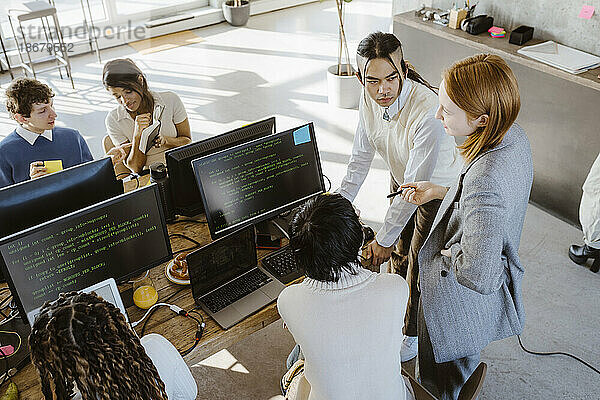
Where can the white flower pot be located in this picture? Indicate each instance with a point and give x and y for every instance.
(342, 91)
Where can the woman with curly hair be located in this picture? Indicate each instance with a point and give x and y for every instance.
(80, 339)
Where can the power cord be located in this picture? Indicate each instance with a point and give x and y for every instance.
(179, 311)
(188, 220)
(328, 180)
(556, 353)
(179, 235)
(199, 329)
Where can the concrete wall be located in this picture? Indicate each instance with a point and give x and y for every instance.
(552, 19)
(400, 6)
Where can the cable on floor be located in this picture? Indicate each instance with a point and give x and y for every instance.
(556, 353)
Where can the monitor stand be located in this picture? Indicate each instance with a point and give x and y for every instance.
(278, 227)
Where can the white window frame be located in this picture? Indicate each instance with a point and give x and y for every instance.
(110, 9)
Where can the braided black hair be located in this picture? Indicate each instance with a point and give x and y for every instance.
(82, 339)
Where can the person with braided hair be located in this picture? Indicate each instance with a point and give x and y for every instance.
(80, 339)
(397, 121)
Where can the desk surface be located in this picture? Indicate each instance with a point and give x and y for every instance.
(500, 46)
(180, 331)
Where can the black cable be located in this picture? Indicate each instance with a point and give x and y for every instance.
(199, 330)
(188, 220)
(179, 235)
(328, 180)
(556, 353)
(154, 310)
(137, 179)
(146, 321)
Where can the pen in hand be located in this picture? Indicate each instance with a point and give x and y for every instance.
(394, 194)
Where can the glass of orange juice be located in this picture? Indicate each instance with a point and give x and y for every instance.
(144, 292)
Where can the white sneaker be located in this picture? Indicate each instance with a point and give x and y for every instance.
(410, 348)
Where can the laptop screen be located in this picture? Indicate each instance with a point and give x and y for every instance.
(222, 260)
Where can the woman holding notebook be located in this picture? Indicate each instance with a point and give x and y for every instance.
(152, 122)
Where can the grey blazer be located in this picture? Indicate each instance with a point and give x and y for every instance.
(474, 297)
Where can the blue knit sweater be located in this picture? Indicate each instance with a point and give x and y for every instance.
(16, 153)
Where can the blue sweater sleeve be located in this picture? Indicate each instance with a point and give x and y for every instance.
(86, 155)
(5, 173)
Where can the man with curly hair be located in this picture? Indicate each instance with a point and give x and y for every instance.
(36, 139)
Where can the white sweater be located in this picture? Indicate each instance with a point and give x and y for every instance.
(350, 332)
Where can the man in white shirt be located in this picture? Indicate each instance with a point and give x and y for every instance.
(397, 120)
(589, 216)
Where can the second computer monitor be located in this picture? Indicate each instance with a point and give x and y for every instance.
(256, 181)
(186, 197)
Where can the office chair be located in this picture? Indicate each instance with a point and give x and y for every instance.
(469, 391)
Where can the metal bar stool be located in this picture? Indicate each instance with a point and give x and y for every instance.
(55, 45)
(88, 26)
(5, 62)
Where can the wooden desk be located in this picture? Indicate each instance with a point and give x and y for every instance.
(179, 330)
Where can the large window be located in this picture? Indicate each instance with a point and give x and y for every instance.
(105, 12)
(155, 8)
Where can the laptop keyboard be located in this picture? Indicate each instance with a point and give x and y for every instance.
(235, 290)
(282, 265)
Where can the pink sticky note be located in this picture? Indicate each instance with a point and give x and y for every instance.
(586, 12)
(495, 29)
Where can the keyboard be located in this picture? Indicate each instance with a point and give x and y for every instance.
(281, 265)
(235, 290)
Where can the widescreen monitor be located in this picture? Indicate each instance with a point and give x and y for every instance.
(117, 238)
(256, 181)
(186, 197)
(32, 202)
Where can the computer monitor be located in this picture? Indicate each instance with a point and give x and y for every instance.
(32, 202)
(119, 238)
(186, 197)
(258, 180)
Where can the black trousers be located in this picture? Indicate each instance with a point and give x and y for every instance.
(405, 260)
(443, 380)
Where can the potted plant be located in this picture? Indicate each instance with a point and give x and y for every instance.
(236, 12)
(343, 88)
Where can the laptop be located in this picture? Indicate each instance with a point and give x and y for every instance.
(107, 289)
(227, 281)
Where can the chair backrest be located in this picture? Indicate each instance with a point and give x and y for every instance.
(419, 391)
(469, 391)
(107, 143)
(472, 386)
